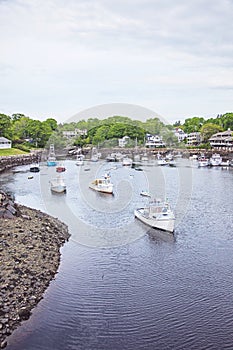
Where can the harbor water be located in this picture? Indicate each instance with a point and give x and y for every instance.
(122, 285)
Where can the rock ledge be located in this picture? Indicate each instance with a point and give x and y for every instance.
(30, 242)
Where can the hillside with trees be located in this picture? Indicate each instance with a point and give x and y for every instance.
(27, 133)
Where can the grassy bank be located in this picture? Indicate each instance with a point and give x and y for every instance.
(11, 152)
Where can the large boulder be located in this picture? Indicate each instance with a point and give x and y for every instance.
(8, 209)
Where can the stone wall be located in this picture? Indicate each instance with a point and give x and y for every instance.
(7, 162)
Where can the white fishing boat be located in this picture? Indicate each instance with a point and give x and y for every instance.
(102, 185)
(215, 160)
(162, 162)
(158, 215)
(225, 163)
(80, 159)
(203, 161)
(58, 185)
(127, 161)
(145, 194)
(51, 161)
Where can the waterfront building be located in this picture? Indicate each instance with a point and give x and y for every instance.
(5, 143)
(180, 134)
(222, 140)
(154, 141)
(69, 134)
(194, 139)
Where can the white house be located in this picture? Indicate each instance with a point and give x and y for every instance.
(180, 134)
(5, 143)
(153, 141)
(74, 133)
(123, 142)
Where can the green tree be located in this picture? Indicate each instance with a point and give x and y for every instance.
(17, 116)
(52, 123)
(5, 125)
(209, 129)
(193, 124)
(153, 126)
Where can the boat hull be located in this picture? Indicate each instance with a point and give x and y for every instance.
(58, 189)
(51, 163)
(161, 224)
(103, 189)
(34, 169)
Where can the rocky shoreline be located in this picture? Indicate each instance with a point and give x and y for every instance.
(30, 242)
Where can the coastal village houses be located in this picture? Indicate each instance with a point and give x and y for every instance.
(5, 143)
(222, 140)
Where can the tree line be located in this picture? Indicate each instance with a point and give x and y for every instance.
(26, 132)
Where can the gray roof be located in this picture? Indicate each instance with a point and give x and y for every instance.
(4, 139)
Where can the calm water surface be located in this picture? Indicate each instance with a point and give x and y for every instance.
(121, 285)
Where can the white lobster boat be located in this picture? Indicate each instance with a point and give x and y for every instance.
(215, 160)
(102, 185)
(202, 161)
(58, 185)
(157, 215)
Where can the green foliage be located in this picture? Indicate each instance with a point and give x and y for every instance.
(153, 126)
(209, 129)
(193, 124)
(5, 125)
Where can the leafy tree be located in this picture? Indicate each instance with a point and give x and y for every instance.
(20, 128)
(52, 123)
(153, 126)
(17, 116)
(209, 129)
(177, 124)
(117, 130)
(5, 125)
(193, 124)
(227, 121)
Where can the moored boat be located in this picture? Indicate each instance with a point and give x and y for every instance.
(145, 194)
(60, 168)
(51, 161)
(80, 159)
(35, 168)
(58, 185)
(158, 215)
(162, 162)
(215, 160)
(127, 161)
(202, 161)
(225, 163)
(102, 185)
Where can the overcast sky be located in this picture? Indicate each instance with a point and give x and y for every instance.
(59, 57)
